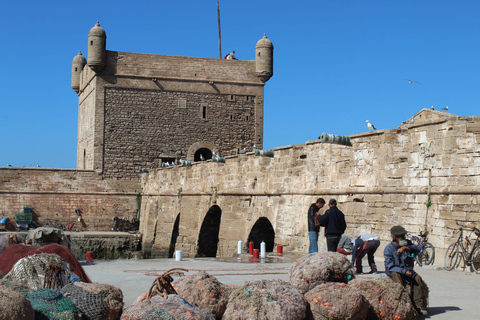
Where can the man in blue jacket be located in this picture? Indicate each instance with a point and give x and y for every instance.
(399, 259)
(334, 222)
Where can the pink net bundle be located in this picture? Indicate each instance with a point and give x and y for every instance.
(387, 299)
(317, 268)
(266, 299)
(336, 301)
(204, 290)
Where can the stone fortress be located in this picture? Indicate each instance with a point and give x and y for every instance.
(137, 111)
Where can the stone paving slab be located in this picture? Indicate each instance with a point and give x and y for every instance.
(453, 294)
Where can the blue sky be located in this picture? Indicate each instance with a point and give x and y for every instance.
(337, 63)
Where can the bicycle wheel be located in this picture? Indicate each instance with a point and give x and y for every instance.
(427, 256)
(451, 257)
(476, 260)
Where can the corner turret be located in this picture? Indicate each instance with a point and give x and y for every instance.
(264, 59)
(77, 66)
(97, 48)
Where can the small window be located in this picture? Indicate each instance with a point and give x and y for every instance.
(259, 54)
(231, 97)
(231, 117)
(246, 118)
(91, 43)
(204, 112)
(75, 69)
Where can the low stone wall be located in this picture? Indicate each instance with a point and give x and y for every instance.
(55, 194)
(384, 179)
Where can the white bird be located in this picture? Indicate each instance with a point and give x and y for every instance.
(216, 154)
(445, 109)
(9, 165)
(370, 126)
(254, 147)
(243, 150)
(201, 157)
(411, 81)
(432, 108)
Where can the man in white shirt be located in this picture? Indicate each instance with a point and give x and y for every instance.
(366, 244)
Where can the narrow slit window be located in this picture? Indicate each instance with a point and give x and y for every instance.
(91, 43)
(204, 112)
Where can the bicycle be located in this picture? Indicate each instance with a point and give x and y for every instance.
(461, 249)
(427, 250)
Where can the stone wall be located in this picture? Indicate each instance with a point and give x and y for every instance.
(54, 194)
(384, 179)
(143, 109)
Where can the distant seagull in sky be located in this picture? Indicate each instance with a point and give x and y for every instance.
(445, 109)
(411, 81)
(370, 126)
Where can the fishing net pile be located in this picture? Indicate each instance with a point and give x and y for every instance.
(95, 301)
(31, 270)
(204, 290)
(14, 285)
(321, 267)
(51, 304)
(266, 299)
(336, 301)
(14, 305)
(173, 307)
(387, 299)
(15, 252)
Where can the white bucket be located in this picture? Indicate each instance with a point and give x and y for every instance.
(178, 255)
(239, 247)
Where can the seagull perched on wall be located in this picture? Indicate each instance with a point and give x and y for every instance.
(201, 157)
(432, 108)
(9, 165)
(216, 154)
(411, 81)
(243, 150)
(254, 147)
(370, 126)
(445, 109)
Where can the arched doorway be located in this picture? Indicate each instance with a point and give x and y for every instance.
(208, 237)
(173, 240)
(262, 230)
(202, 154)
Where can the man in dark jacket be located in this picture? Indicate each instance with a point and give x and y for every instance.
(334, 222)
(313, 225)
(399, 255)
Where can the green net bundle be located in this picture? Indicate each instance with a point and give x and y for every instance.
(14, 306)
(321, 267)
(173, 307)
(31, 270)
(94, 300)
(266, 299)
(205, 291)
(52, 305)
(387, 299)
(336, 301)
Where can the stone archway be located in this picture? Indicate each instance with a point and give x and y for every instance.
(197, 146)
(208, 237)
(173, 239)
(262, 230)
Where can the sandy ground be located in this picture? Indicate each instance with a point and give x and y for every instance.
(453, 294)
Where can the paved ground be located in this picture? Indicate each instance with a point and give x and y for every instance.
(453, 294)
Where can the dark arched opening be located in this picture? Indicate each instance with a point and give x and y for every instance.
(262, 230)
(173, 240)
(202, 154)
(208, 237)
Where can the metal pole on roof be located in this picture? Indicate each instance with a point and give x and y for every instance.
(219, 32)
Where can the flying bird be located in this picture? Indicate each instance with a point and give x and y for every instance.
(370, 126)
(445, 109)
(411, 81)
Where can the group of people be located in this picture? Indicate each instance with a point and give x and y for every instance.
(399, 253)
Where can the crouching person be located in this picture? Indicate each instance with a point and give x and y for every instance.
(399, 259)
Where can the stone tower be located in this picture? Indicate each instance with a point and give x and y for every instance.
(137, 111)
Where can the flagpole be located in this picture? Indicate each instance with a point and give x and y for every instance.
(219, 32)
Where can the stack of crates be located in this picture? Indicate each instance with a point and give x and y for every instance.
(24, 219)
